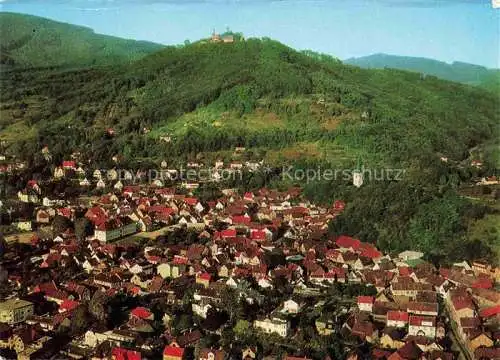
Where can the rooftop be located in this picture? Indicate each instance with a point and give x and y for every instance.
(12, 304)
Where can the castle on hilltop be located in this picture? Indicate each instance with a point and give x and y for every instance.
(225, 38)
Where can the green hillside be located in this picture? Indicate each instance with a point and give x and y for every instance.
(34, 41)
(387, 114)
(285, 107)
(457, 71)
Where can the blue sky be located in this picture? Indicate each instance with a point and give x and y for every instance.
(447, 30)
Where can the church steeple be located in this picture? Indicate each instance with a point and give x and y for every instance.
(357, 174)
(215, 36)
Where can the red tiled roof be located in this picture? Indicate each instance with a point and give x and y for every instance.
(487, 353)
(490, 311)
(397, 315)
(69, 164)
(191, 201)
(141, 312)
(66, 212)
(161, 210)
(420, 320)
(371, 253)
(422, 307)
(241, 219)
(96, 215)
(405, 271)
(228, 233)
(69, 305)
(337, 271)
(470, 322)
(365, 299)
(461, 302)
(363, 328)
(248, 195)
(131, 189)
(258, 235)
(205, 276)
(125, 354)
(347, 242)
(180, 260)
(483, 283)
(339, 205)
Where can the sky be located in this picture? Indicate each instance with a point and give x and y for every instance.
(446, 30)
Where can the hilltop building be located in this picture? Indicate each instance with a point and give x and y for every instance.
(224, 38)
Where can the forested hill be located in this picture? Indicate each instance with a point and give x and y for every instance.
(457, 71)
(285, 107)
(255, 92)
(34, 41)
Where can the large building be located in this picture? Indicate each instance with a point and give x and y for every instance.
(15, 311)
(106, 232)
(273, 325)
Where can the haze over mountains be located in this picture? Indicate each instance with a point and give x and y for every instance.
(457, 71)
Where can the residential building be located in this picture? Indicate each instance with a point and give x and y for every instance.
(273, 325)
(422, 326)
(14, 311)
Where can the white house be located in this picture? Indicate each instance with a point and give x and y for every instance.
(112, 174)
(112, 234)
(198, 207)
(201, 309)
(50, 202)
(27, 197)
(410, 255)
(291, 307)
(422, 326)
(101, 184)
(97, 174)
(398, 319)
(273, 325)
(365, 303)
(232, 283)
(24, 225)
(58, 172)
(265, 283)
(118, 186)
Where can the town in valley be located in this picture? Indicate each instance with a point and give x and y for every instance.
(148, 270)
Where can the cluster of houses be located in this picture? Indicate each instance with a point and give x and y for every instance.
(411, 309)
(420, 306)
(115, 179)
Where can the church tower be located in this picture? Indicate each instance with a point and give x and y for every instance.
(357, 175)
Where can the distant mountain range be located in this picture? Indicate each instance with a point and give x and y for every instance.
(457, 71)
(32, 41)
